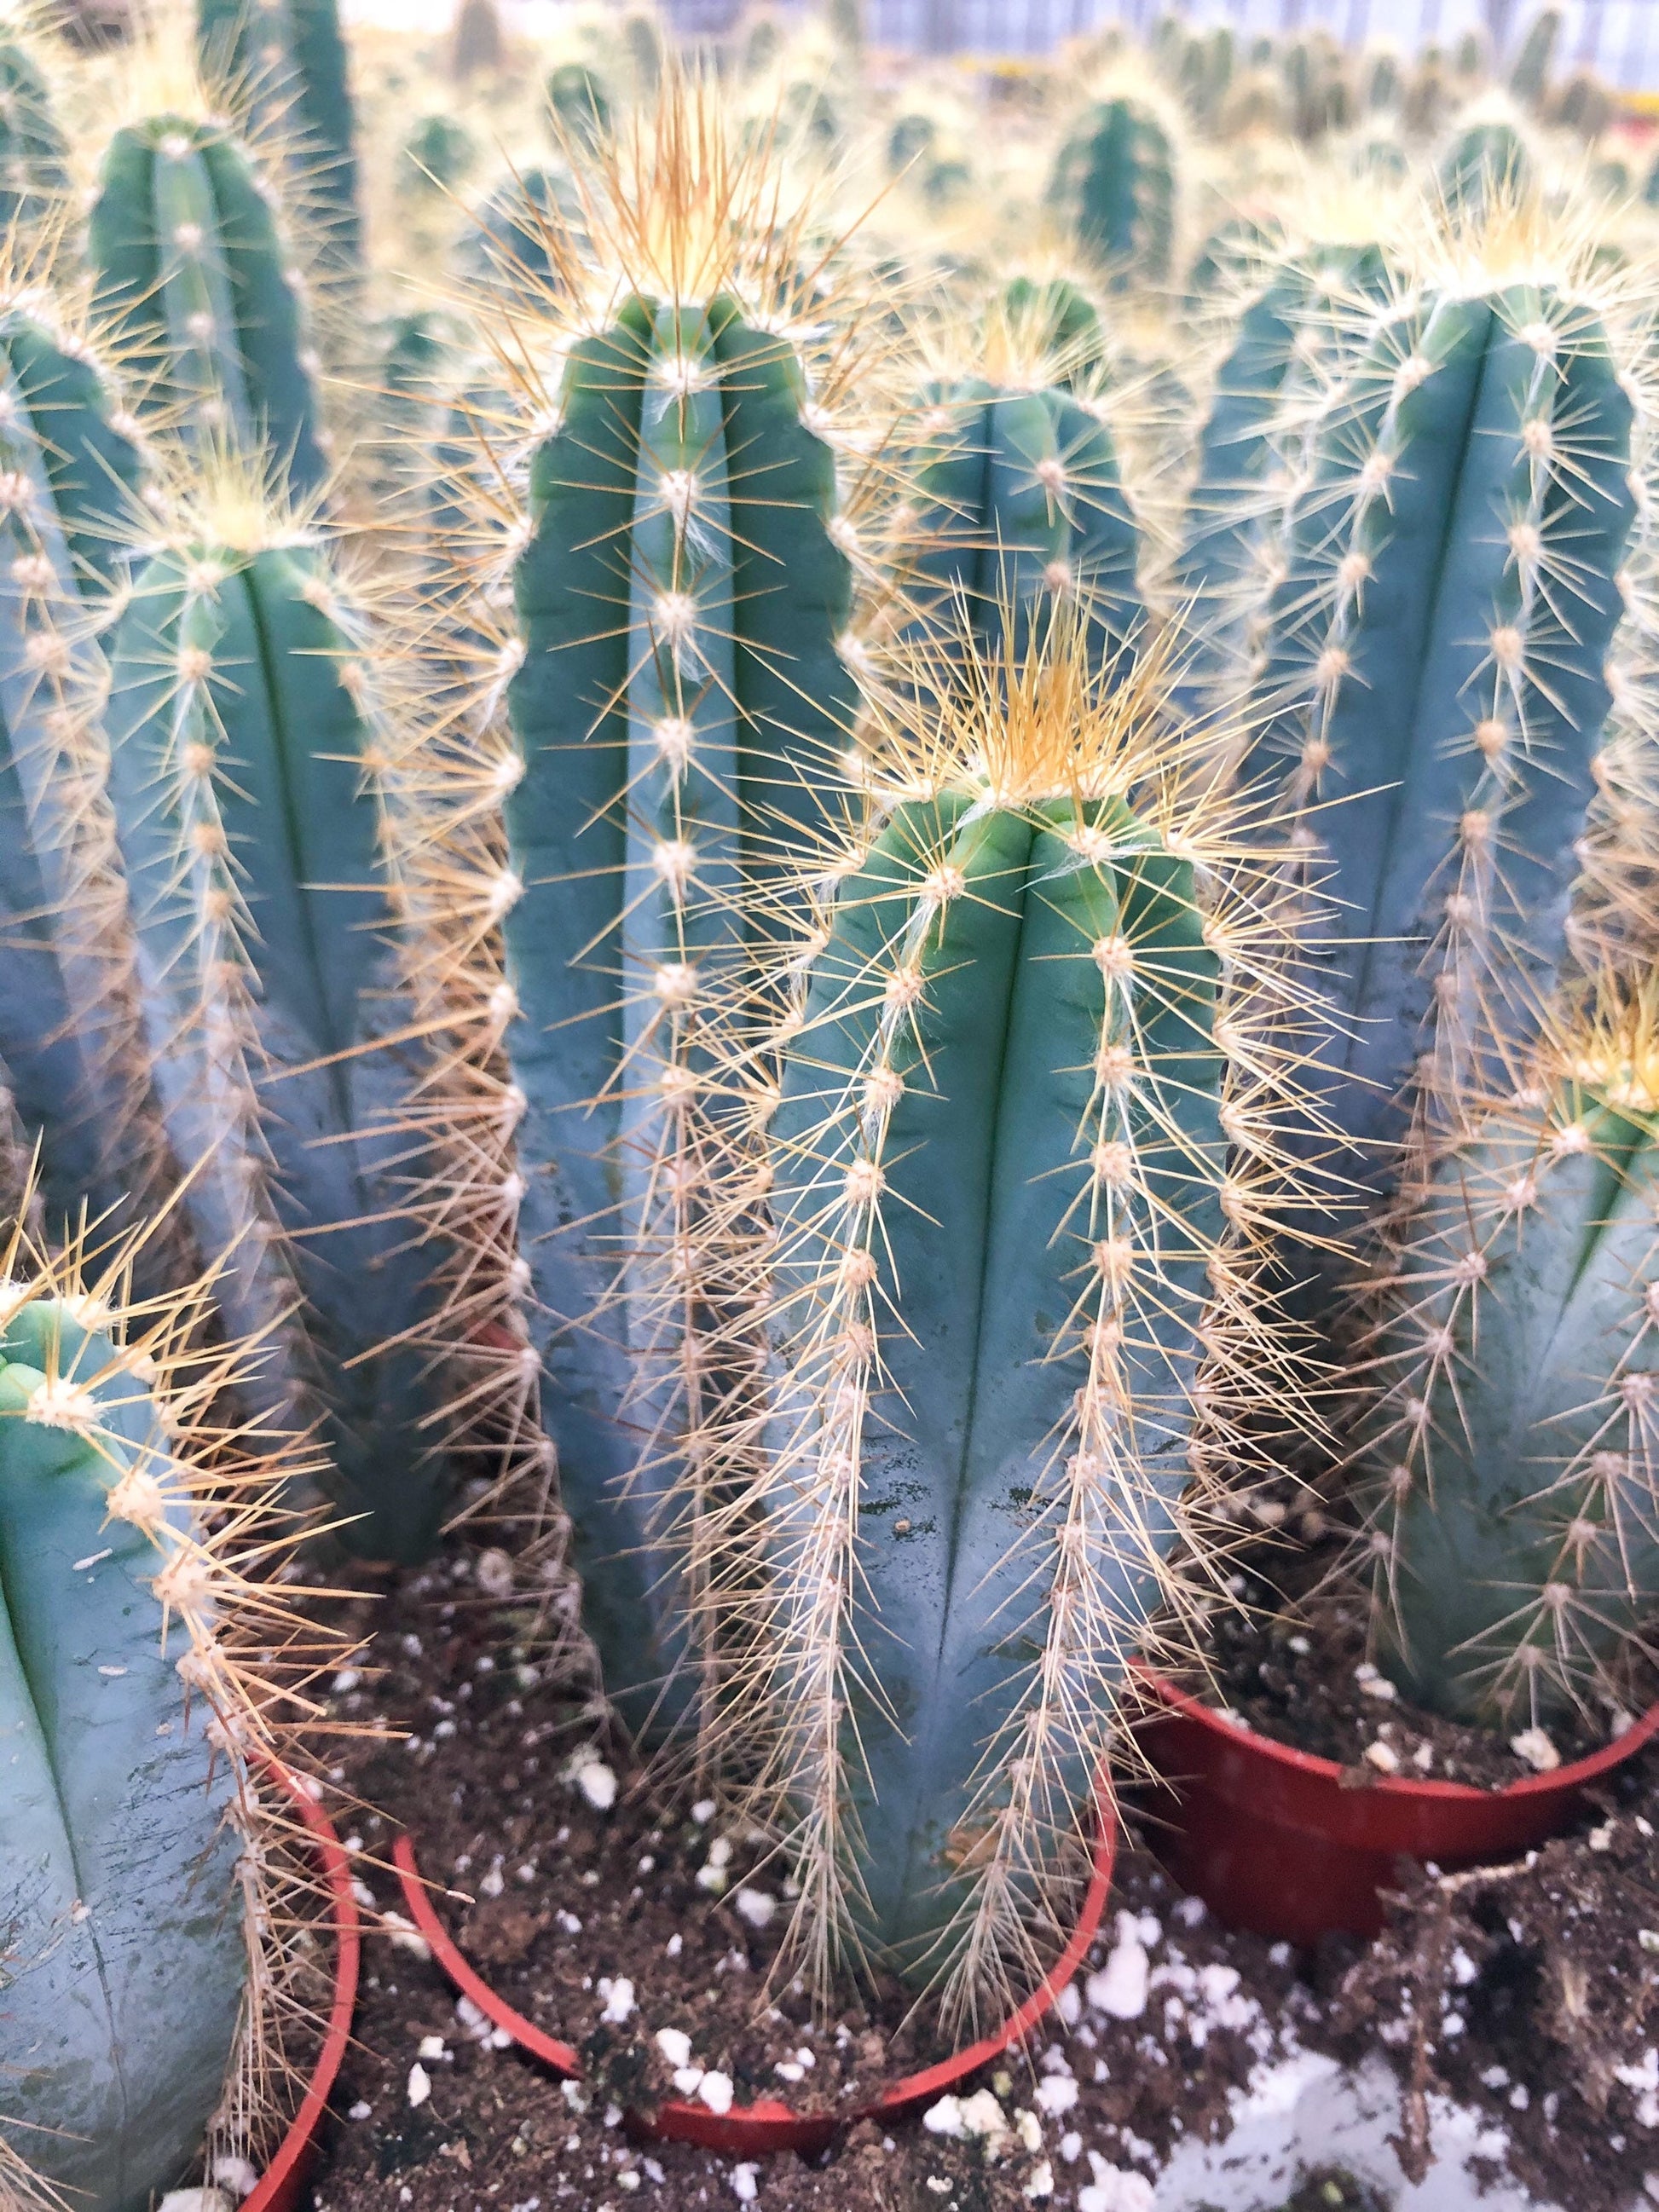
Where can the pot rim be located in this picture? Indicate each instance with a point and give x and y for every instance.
(1158, 1688)
(279, 2186)
(769, 2123)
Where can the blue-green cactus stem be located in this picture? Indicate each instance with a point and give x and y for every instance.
(190, 264)
(578, 109)
(1530, 74)
(998, 1186)
(1434, 659)
(244, 778)
(679, 700)
(1019, 501)
(288, 60)
(122, 1958)
(1115, 178)
(33, 151)
(1290, 341)
(505, 247)
(69, 1026)
(1486, 161)
(1507, 1476)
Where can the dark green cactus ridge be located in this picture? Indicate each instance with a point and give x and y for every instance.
(999, 1156)
(190, 266)
(678, 703)
(1115, 176)
(244, 781)
(124, 1961)
(1433, 658)
(67, 1021)
(287, 62)
(1509, 1468)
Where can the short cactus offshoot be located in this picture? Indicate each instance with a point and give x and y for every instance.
(1015, 1168)
(154, 1951)
(1509, 1465)
(654, 481)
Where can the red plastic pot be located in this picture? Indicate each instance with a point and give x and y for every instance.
(283, 2184)
(768, 2124)
(1273, 1841)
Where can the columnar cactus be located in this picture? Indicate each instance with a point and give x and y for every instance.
(1017, 490)
(247, 764)
(69, 1030)
(1008, 1176)
(194, 273)
(1529, 74)
(577, 110)
(1486, 158)
(1288, 351)
(286, 62)
(1508, 1467)
(1116, 179)
(1434, 651)
(34, 152)
(679, 696)
(142, 1931)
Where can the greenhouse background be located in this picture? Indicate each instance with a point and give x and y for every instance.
(1617, 39)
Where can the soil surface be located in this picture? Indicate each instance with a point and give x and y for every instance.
(1171, 2022)
(1290, 1660)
